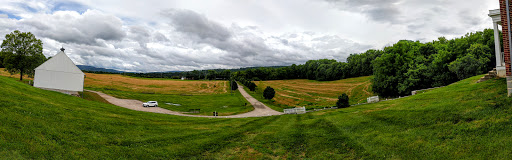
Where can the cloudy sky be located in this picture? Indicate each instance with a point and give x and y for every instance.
(169, 35)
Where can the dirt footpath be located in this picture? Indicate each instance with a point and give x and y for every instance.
(260, 109)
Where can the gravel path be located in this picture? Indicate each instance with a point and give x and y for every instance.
(260, 109)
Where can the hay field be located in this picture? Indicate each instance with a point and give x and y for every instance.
(309, 93)
(157, 86)
(4, 73)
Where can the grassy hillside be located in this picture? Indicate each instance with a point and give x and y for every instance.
(461, 121)
(313, 94)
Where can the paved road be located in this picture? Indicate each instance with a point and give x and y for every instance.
(260, 109)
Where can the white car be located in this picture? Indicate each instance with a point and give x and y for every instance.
(150, 104)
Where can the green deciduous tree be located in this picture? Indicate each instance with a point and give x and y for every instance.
(269, 93)
(466, 66)
(390, 69)
(476, 61)
(22, 52)
(483, 54)
(409, 65)
(211, 75)
(342, 101)
(2, 60)
(234, 86)
(252, 86)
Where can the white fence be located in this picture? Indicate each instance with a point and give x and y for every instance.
(372, 99)
(299, 110)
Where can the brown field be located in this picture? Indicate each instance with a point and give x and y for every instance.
(159, 86)
(4, 73)
(314, 93)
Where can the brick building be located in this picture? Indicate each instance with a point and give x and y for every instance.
(502, 17)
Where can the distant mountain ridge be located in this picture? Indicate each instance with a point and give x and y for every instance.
(96, 69)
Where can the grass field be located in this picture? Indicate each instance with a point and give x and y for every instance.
(176, 95)
(465, 120)
(314, 94)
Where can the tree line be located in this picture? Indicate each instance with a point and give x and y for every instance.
(322, 70)
(217, 74)
(212, 74)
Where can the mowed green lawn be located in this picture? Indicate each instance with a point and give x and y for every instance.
(465, 120)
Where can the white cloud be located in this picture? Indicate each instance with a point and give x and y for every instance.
(73, 27)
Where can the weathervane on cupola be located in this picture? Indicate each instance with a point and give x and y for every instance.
(62, 49)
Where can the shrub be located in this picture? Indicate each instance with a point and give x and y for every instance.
(342, 101)
(269, 93)
(252, 86)
(467, 66)
(234, 86)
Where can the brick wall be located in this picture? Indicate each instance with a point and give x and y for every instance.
(505, 23)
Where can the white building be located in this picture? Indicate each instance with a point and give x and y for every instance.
(500, 59)
(59, 74)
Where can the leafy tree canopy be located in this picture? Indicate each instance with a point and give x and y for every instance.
(234, 86)
(342, 101)
(22, 52)
(408, 65)
(269, 93)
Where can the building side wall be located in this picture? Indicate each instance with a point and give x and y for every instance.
(59, 80)
(506, 46)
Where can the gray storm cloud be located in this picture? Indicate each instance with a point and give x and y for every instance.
(243, 45)
(187, 41)
(377, 10)
(188, 21)
(71, 27)
(421, 17)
